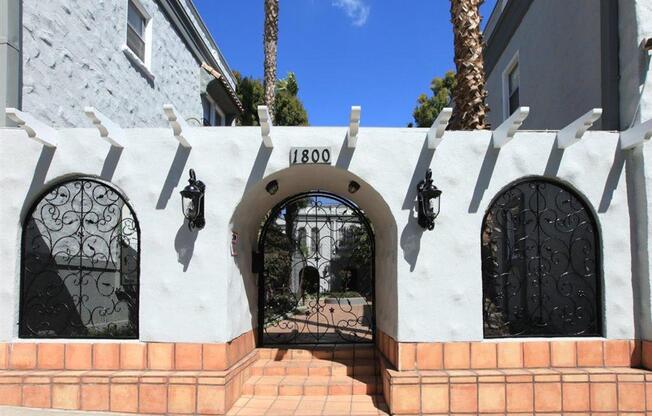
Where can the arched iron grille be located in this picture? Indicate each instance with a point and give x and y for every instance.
(80, 264)
(540, 263)
(316, 285)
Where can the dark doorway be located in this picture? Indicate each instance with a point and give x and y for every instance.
(316, 283)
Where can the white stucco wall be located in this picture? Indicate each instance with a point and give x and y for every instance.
(428, 283)
(73, 57)
(635, 18)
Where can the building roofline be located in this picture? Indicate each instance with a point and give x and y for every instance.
(193, 31)
(498, 36)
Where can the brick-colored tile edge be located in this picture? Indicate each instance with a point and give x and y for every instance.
(126, 355)
(544, 353)
(525, 391)
(142, 391)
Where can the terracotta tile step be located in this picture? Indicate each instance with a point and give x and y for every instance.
(315, 367)
(310, 405)
(311, 385)
(360, 351)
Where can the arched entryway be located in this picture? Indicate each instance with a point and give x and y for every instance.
(316, 280)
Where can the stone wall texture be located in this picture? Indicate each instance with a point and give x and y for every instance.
(73, 57)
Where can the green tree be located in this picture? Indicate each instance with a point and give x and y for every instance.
(289, 108)
(428, 108)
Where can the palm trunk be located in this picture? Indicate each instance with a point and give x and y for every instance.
(270, 43)
(469, 92)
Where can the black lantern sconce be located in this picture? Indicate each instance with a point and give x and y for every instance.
(429, 202)
(192, 202)
(272, 187)
(353, 187)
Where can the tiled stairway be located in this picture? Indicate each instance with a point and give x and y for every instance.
(336, 380)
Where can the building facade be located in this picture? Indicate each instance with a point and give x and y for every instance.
(563, 59)
(125, 58)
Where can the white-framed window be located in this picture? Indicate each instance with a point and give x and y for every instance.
(213, 114)
(511, 86)
(139, 32)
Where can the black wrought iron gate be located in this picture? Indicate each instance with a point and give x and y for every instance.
(316, 280)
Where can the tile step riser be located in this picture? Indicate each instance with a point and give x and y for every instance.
(363, 389)
(336, 372)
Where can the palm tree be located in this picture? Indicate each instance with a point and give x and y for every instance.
(270, 44)
(469, 93)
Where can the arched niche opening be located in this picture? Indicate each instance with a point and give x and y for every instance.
(250, 214)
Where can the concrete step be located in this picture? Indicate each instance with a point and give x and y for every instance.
(310, 406)
(315, 367)
(312, 385)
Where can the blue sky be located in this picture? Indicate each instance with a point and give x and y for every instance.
(380, 54)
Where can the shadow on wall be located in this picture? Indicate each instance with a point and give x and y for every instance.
(345, 155)
(612, 179)
(184, 244)
(38, 180)
(484, 177)
(111, 162)
(411, 234)
(174, 175)
(260, 164)
(554, 161)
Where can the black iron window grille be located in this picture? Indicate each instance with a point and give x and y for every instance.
(80, 264)
(540, 263)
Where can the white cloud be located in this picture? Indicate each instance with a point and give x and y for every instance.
(356, 10)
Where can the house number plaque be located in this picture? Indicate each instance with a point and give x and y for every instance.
(310, 155)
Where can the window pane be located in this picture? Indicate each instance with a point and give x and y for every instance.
(513, 79)
(136, 44)
(513, 101)
(136, 20)
(206, 107)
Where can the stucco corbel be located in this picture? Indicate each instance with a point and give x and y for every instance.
(109, 130)
(636, 136)
(506, 131)
(354, 126)
(436, 132)
(573, 132)
(36, 129)
(265, 125)
(179, 126)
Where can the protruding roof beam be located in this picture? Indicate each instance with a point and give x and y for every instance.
(179, 126)
(36, 130)
(572, 133)
(505, 132)
(109, 130)
(354, 126)
(637, 135)
(265, 126)
(436, 132)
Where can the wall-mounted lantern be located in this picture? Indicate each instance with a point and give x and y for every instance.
(429, 201)
(272, 187)
(353, 187)
(192, 202)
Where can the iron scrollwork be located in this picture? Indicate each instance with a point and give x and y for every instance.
(80, 264)
(540, 265)
(316, 283)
